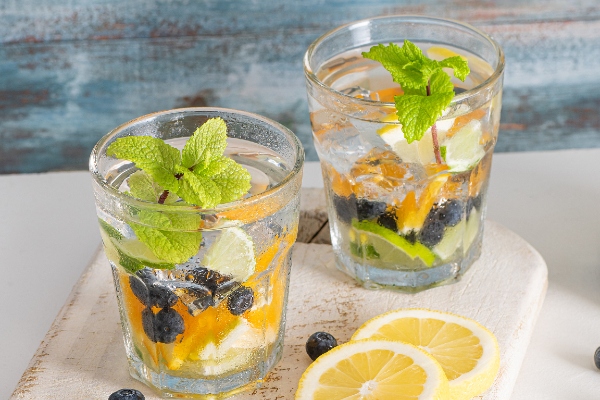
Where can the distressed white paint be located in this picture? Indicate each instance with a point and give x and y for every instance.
(82, 355)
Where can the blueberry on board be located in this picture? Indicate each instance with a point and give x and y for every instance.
(388, 220)
(368, 209)
(140, 290)
(319, 343)
(449, 212)
(127, 394)
(431, 233)
(345, 207)
(240, 300)
(597, 358)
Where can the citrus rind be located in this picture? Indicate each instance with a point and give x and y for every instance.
(435, 386)
(465, 386)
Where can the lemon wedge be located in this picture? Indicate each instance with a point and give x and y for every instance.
(373, 370)
(467, 351)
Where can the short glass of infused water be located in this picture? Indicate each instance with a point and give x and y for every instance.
(404, 214)
(201, 291)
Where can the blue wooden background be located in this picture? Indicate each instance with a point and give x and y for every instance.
(71, 70)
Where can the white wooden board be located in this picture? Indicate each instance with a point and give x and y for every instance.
(82, 356)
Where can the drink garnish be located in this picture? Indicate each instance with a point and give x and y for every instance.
(199, 175)
(427, 88)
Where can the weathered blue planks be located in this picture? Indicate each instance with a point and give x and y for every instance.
(72, 71)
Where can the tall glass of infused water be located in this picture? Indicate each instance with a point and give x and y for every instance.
(198, 211)
(405, 213)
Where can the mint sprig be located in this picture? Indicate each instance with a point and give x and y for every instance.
(427, 88)
(198, 175)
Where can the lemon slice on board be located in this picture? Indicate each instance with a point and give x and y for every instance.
(467, 351)
(232, 253)
(373, 370)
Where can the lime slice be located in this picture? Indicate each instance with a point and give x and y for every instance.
(463, 149)
(471, 229)
(131, 254)
(388, 245)
(452, 240)
(232, 254)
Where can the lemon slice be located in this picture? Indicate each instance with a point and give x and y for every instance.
(463, 149)
(466, 350)
(387, 246)
(232, 253)
(373, 369)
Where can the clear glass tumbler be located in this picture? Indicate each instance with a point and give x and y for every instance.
(188, 329)
(399, 218)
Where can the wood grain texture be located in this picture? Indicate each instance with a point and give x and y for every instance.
(71, 71)
(82, 355)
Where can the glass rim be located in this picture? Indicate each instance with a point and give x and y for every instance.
(490, 81)
(241, 203)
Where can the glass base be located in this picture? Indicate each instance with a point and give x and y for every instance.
(409, 281)
(169, 386)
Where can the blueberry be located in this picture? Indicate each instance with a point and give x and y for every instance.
(459, 90)
(388, 220)
(411, 236)
(157, 294)
(164, 326)
(367, 209)
(449, 212)
(319, 343)
(345, 207)
(139, 289)
(597, 358)
(431, 233)
(240, 300)
(161, 296)
(127, 394)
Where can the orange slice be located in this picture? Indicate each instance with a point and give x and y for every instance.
(411, 212)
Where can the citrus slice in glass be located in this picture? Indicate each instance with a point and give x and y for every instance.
(463, 149)
(453, 238)
(467, 351)
(388, 246)
(373, 369)
(232, 254)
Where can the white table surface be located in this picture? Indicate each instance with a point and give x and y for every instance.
(49, 233)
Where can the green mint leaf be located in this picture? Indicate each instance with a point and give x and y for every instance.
(440, 83)
(427, 89)
(233, 180)
(170, 246)
(150, 154)
(443, 152)
(419, 113)
(177, 241)
(403, 63)
(206, 144)
(141, 186)
(458, 64)
(200, 190)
